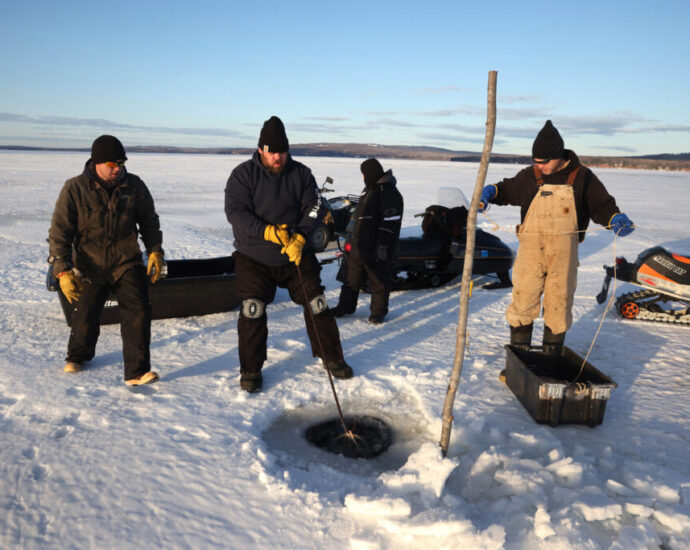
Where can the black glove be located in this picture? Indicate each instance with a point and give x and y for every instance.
(381, 253)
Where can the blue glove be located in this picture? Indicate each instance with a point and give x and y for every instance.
(488, 193)
(621, 224)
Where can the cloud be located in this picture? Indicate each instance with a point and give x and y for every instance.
(108, 125)
(510, 99)
(327, 118)
(441, 90)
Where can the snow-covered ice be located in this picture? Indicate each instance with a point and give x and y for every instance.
(193, 462)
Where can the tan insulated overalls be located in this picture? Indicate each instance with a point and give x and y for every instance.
(546, 261)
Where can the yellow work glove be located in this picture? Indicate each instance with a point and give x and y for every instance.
(277, 234)
(294, 247)
(153, 270)
(70, 285)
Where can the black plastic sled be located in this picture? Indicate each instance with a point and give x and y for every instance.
(664, 279)
(186, 288)
(437, 256)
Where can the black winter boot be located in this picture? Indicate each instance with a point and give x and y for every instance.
(521, 337)
(251, 381)
(553, 343)
(339, 369)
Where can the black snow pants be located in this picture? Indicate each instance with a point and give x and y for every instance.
(358, 271)
(256, 281)
(135, 324)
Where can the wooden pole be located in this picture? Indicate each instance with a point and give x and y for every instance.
(467, 267)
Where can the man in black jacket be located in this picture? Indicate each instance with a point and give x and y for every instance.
(557, 198)
(374, 242)
(273, 204)
(94, 251)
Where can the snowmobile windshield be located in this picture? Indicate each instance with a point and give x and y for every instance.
(451, 197)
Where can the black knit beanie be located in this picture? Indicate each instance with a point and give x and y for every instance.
(548, 144)
(107, 149)
(273, 138)
(372, 171)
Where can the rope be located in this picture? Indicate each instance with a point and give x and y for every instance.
(513, 228)
(608, 306)
(323, 355)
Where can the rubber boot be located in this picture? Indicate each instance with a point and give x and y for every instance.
(521, 337)
(552, 343)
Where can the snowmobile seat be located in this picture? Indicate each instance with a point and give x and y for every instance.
(422, 247)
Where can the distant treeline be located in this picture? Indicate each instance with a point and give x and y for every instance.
(358, 150)
(648, 162)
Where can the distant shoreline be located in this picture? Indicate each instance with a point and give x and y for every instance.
(674, 162)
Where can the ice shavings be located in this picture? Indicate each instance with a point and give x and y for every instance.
(542, 523)
(424, 473)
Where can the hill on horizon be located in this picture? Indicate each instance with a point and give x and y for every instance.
(661, 161)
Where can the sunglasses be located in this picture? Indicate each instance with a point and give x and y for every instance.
(543, 161)
(118, 164)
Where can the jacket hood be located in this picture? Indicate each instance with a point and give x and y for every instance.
(387, 179)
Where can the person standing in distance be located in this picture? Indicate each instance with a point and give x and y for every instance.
(94, 251)
(557, 197)
(273, 205)
(374, 242)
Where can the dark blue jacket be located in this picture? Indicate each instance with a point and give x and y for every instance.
(255, 198)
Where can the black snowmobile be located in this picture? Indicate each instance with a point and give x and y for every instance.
(437, 256)
(339, 211)
(665, 281)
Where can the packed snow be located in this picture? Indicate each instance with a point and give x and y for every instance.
(194, 462)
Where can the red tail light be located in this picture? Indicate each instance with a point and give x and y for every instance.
(620, 260)
(348, 247)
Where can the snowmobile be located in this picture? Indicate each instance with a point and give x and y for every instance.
(339, 210)
(664, 279)
(437, 256)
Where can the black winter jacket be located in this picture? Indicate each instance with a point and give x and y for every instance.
(592, 201)
(95, 229)
(378, 219)
(255, 198)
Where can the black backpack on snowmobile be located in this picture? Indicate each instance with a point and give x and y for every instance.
(665, 281)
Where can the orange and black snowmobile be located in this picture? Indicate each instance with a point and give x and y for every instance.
(665, 281)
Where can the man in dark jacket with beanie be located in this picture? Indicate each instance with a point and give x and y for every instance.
(94, 251)
(557, 198)
(273, 204)
(374, 242)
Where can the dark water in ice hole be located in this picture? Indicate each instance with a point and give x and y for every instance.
(286, 439)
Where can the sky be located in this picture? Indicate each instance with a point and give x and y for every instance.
(613, 76)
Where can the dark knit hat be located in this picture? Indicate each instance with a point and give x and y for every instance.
(273, 138)
(372, 171)
(548, 144)
(107, 149)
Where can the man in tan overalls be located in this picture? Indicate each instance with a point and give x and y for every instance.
(558, 196)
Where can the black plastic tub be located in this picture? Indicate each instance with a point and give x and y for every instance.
(187, 288)
(557, 389)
